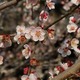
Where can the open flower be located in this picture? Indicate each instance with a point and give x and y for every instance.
(28, 32)
(76, 2)
(64, 51)
(72, 27)
(50, 4)
(74, 44)
(38, 34)
(20, 38)
(32, 76)
(20, 29)
(1, 60)
(27, 51)
(43, 16)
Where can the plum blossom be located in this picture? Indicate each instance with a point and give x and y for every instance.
(50, 4)
(64, 51)
(38, 34)
(1, 60)
(74, 44)
(76, 2)
(28, 32)
(51, 33)
(43, 16)
(72, 19)
(32, 76)
(27, 51)
(71, 28)
(20, 29)
(20, 38)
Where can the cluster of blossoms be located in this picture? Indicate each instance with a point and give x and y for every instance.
(68, 44)
(37, 34)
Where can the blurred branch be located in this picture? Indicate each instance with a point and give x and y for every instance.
(8, 4)
(63, 16)
(72, 70)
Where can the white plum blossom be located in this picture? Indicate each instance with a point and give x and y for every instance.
(20, 29)
(72, 28)
(28, 32)
(74, 44)
(24, 77)
(72, 19)
(43, 16)
(76, 2)
(64, 51)
(38, 34)
(27, 51)
(1, 60)
(50, 4)
(20, 38)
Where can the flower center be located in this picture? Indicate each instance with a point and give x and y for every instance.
(38, 33)
(22, 39)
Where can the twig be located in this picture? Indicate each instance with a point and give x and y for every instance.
(62, 17)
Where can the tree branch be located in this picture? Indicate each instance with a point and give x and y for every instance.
(72, 70)
(8, 4)
(63, 16)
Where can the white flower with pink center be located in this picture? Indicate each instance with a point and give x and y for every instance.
(50, 4)
(76, 2)
(72, 28)
(43, 16)
(20, 38)
(20, 29)
(72, 20)
(1, 60)
(27, 51)
(38, 34)
(74, 44)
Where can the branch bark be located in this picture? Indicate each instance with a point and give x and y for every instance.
(8, 4)
(72, 70)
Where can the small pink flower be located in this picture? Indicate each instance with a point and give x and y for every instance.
(72, 27)
(38, 34)
(43, 16)
(1, 60)
(50, 4)
(26, 70)
(27, 51)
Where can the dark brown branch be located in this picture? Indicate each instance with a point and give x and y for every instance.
(62, 17)
(8, 4)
